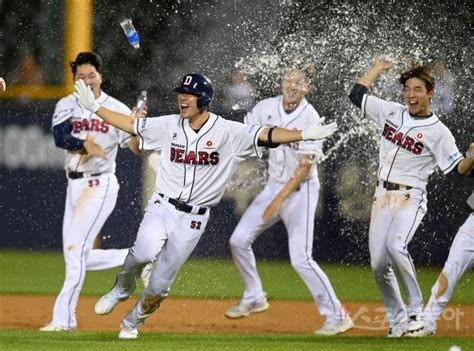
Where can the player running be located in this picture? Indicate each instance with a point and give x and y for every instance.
(413, 143)
(91, 148)
(460, 260)
(200, 152)
(290, 195)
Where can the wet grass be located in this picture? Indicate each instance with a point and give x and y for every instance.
(91, 341)
(37, 272)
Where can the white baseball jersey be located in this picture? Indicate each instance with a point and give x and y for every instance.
(410, 148)
(86, 123)
(284, 159)
(196, 167)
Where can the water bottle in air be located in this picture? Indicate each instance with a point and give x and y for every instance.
(141, 101)
(130, 32)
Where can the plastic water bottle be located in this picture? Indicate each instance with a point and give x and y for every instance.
(130, 32)
(141, 101)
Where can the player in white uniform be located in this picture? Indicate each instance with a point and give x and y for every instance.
(290, 195)
(91, 148)
(413, 143)
(460, 260)
(200, 152)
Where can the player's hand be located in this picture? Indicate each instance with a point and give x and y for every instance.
(140, 114)
(318, 131)
(85, 95)
(383, 63)
(272, 209)
(94, 149)
(3, 85)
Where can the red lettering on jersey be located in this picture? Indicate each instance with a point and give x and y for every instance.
(398, 138)
(203, 158)
(172, 154)
(179, 156)
(214, 158)
(85, 124)
(389, 133)
(418, 148)
(408, 143)
(76, 126)
(190, 158)
(104, 127)
(95, 123)
(385, 129)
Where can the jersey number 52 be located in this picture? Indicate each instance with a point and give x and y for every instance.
(195, 225)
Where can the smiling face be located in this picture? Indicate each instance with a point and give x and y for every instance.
(188, 105)
(417, 97)
(294, 87)
(91, 77)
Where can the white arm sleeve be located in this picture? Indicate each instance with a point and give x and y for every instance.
(445, 151)
(151, 131)
(244, 139)
(63, 110)
(377, 109)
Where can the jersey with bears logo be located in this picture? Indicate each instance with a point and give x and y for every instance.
(85, 123)
(411, 148)
(196, 166)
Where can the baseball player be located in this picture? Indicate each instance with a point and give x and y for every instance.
(460, 260)
(413, 143)
(91, 147)
(290, 195)
(200, 152)
(3, 85)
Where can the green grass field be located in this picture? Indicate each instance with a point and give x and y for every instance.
(36, 272)
(89, 341)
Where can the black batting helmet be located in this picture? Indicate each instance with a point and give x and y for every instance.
(199, 85)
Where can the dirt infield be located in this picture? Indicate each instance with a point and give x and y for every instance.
(200, 315)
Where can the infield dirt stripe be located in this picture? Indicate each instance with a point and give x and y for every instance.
(207, 316)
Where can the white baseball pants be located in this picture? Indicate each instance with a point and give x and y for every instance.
(395, 217)
(169, 235)
(297, 214)
(89, 202)
(460, 260)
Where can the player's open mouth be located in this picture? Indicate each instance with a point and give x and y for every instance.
(184, 107)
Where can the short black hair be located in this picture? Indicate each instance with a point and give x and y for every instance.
(421, 72)
(88, 57)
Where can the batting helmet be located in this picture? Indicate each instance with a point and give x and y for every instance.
(199, 85)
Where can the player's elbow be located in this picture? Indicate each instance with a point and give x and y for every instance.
(357, 94)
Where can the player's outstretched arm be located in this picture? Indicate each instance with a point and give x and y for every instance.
(87, 99)
(380, 64)
(316, 131)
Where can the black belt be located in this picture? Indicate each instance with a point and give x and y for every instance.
(182, 206)
(394, 186)
(79, 175)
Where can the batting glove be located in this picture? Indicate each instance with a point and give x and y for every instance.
(318, 131)
(85, 95)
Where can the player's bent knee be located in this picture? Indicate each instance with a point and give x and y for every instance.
(238, 242)
(159, 287)
(379, 267)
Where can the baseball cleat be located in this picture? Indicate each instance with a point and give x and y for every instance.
(243, 309)
(333, 327)
(146, 273)
(128, 333)
(55, 328)
(420, 333)
(398, 330)
(415, 323)
(106, 304)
